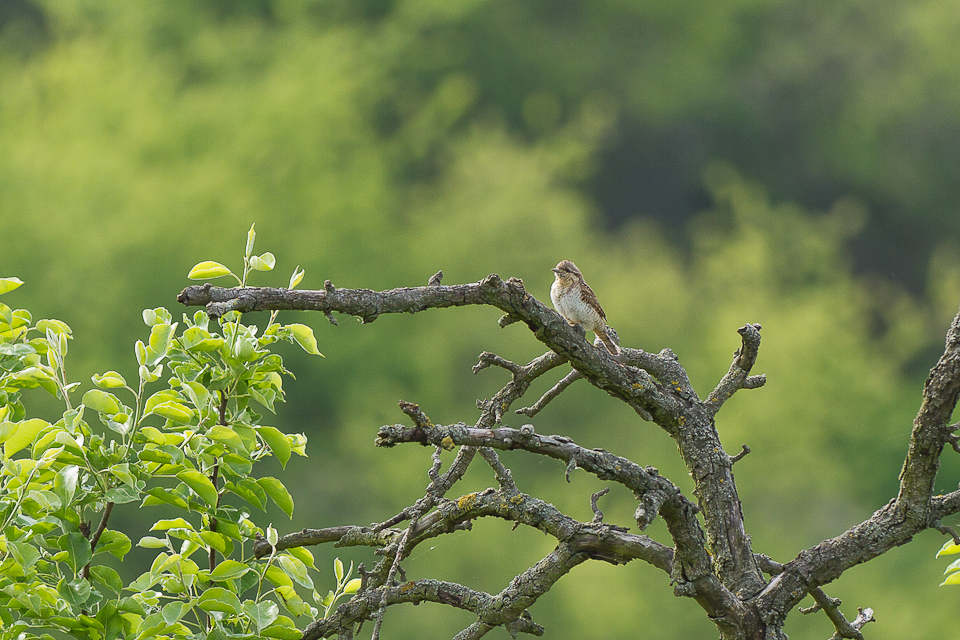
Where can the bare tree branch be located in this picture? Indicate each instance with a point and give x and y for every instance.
(712, 562)
(652, 488)
(738, 377)
(744, 450)
(913, 510)
(365, 603)
(492, 410)
(554, 391)
(632, 385)
(831, 607)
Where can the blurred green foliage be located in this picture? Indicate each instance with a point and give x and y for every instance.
(376, 141)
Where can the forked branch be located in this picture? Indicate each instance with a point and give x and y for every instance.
(712, 562)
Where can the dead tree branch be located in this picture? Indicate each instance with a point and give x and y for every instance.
(712, 562)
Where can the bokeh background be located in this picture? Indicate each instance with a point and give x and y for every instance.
(706, 164)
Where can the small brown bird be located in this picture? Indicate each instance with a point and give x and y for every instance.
(577, 303)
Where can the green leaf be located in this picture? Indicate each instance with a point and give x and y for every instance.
(76, 591)
(109, 380)
(113, 542)
(122, 494)
(173, 611)
(245, 348)
(156, 316)
(160, 337)
(174, 523)
(277, 441)
(189, 547)
(250, 491)
(197, 393)
(25, 432)
(77, 548)
(150, 375)
(303, 555)
(228, 570)
(338, 569)
(953, 578)
(25, 554)
(102, 401)
(57, 326)
(194, 335)
(261, 614)
(225, 435)
(7, 429)
(163, 562)
(108, 577)
(33, 377)
(201, 485)
(219, 599)
(283, 630)
(278, 493)
(263, 262)
(272, 536)
(208, 270)
(292, 601)
(251, 238)
(199, 339)
(152, 434)
(353, 586)
(172, 410)
(141, 350)
(50, 455)
(160, 495)
(152, 542)
(151, 627)
(65, 483)
(277, 577)
(9, 284)
(122, 473)
(229, 529)
(305, 338)
(130, 605)
(296, 278)
(236, 465)
(948, 549)
(953, 566)
(295, 569)
(216, 540)
(111, 620)
(185, 534)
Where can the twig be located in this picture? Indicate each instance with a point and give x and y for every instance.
(767, 564)
(401, 550)
(503, 475)
(413, 410)
(947, 531)
(831, 607)
(597, 514)
(493, 410)
(953, 440)
(554, 391)
(738, 377)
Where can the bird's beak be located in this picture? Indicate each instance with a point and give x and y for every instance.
(555, 270)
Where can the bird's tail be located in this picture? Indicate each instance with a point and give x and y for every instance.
(609, 338)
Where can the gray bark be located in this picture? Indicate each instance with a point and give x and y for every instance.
(748, 596)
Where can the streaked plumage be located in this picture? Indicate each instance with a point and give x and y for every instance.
(577, 303)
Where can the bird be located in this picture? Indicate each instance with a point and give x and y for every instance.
(576, 302)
